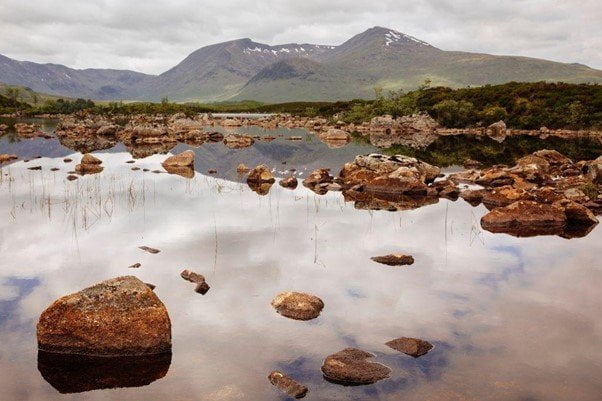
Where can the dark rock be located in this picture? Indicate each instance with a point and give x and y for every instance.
(350, 366)
(212, 171)
(135, 266)
(394, 259)
(411, 346)
(149, 249)
(287, 385)
(260, 188)
(121, 316)
(201, 285)
(34, 168)
(474, 197)
(298, 305)
(72, 177)
(79, 373)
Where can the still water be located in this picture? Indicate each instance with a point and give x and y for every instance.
(510, 318)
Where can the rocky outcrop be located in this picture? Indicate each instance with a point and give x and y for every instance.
(287, 385)
(396, 259)
(89, 165)
(350, 366)
(525, 219)
(121, 316)
(24, 130)
(298, 305)
(417, 131)
(411, 346)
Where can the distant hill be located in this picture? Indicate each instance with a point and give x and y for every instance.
(246, 70)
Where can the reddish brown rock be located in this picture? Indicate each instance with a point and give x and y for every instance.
(411, 346)
(184, 159)
(474, 196)
(89, 165)
(121, 316)
(525, 219)
(396, 259)
(298, 305)
(287, 384)
(317, 177)
(350, 366)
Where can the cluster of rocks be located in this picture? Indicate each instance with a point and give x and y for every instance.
(542, 194)
(89, 165)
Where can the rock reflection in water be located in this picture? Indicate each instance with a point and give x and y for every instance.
(78, 373)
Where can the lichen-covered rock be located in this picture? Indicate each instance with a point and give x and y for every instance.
(120, 316)
(287, 384)
(298, 305)
(396, 259)
(350, 366)
(411, 346)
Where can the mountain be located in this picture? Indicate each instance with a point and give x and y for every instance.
(246, 70)
(60, 80)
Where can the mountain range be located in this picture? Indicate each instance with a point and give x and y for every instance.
(246, 70)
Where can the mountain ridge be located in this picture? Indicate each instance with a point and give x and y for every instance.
(244, 69)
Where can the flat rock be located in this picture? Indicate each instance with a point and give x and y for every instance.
(350, 366)
(525, 219)
(411, 346)
(287, 384)
(120, 316)
(184, 159)
(149, 249)
(298, 305)
(396, 259)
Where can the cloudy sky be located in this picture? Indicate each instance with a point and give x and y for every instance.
(151, 36)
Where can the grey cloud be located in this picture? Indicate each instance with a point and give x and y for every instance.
(152, 36)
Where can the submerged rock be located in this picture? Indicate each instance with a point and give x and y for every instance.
(184, 159)
(201, 285)
(120, 316)
(298, 305)
(350, 366)
(411, 346)
(287, 384)
(394, 259)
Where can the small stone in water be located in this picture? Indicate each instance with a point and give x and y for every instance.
(67, 160)
(394, 259)
(201, 285)
(55, 169)
(350, 366)
(149, 249)
(35, 168)
(72, 177)
(135, 266)
(298, 305)
(287, 385)
(411, 346)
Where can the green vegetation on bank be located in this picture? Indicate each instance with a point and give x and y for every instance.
(520, 105)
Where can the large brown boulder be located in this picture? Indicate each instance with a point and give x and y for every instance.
(298, 305)
(89, 165)
(120, 316)
(350, 366)
(184, 159)
(525, 219)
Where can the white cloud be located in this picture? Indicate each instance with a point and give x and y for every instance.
(152, 36)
